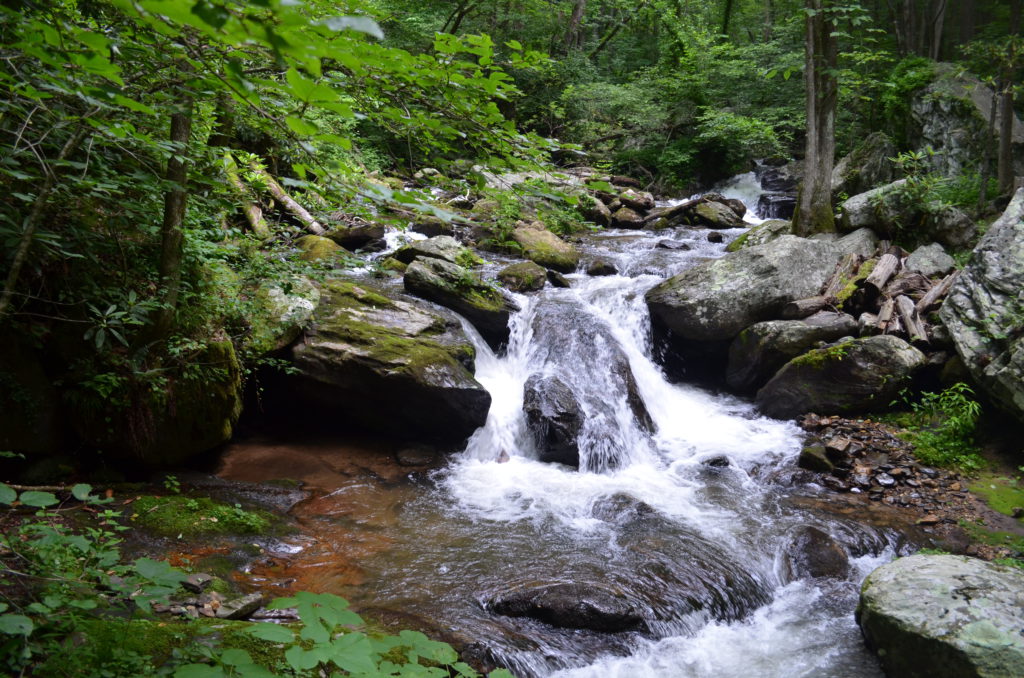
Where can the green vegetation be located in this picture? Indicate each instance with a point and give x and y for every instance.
(187, 517)
(819, 357)
(941, 427)
(1002, 493)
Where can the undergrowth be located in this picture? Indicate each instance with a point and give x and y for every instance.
(941, 427)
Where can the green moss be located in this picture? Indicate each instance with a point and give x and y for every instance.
(819, 357)
(315, 248)
(193, 516)
(979, 533)
(467, 259)
(851, 284)
(1001, 493)
(737, 244)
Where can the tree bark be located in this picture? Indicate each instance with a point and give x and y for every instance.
(573, 37)
(726, 17)
(172, 233)
(296, 210)
(814, 201)
(1006, 114)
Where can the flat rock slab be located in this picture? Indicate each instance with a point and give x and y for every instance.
(571, 606)
(932, 616)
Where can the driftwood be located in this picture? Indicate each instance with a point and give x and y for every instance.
(936, 293)
(294, 208)
(911, 321)
(845, 269)
(907, 283)
(886, 268)
(802, 308)
(885, 313)
(252, 211)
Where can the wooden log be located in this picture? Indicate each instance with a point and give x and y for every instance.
(909, 283)
(885, 313)
(252, 211)
(894, 326)
(840, 278)
(802, 308)
(886, 268)
(936, 293)
(911, 321)
(294, 208)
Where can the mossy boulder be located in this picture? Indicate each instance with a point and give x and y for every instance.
(317, 248)
(368, 237)
(543, 247)
(461, 290)
(849, 377)
(523, 277)
(717, 215)
(443, 247)
(867, 166)
(627, 217)
(761, 234)
(283, 311)
(194, 412)
(944, 616)
(595, 211)
(389, 363)
(431, 226)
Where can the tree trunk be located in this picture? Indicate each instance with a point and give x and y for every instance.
(171, 230)
(814, 202)
(615, 29)
(573, 37)
(938, 27)
(1006, 114)
(289, 203)
(726, 17)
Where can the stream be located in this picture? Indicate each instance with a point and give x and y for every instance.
(688, 519)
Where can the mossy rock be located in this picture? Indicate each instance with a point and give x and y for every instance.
(523, 277)
(189, 517)
(318, 248)
(283, 311)
(762, 233)
(547, 249)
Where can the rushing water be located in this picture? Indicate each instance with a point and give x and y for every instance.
(689, 522)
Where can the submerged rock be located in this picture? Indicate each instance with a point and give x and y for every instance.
(811, 553)
(391, 364)
(461, 290)
(555, 419)
(570, 606)
(857, 375)
(716, 299)
(599, 267)
(984, 311)
(942, 616)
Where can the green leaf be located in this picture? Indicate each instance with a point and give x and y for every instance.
(273, 633)
(158, 571)
(198, 671)
(235, 657)
(38, 499)
(299, 659)
(353, 653)
(15, 624)
(81, 491)
(7, 494)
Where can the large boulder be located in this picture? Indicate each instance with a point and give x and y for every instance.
(715, 214)
(627, 217)
(893, 209)
(853, 376)
(554, 418)
(812, 553)
(867, 166)
(951, 115)
(283, 310)
(461, 290)
(368, 237)
(944, 616)
(388, 363)
(443, 247)
(543, 247)
(716, 299)
(930, 261)
(761, 234)
(763, 348)
(985, 312)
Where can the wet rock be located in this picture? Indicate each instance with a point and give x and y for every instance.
(432, 226)
(461, 290)
(716, 299)
(240, 608)
(369, 350)
(558, 280)
(776, 205)
(763, 348)
(543, 247)
(624, 217)
(600, 267)
(811, 553)
(715, 237)
(930, 260)
(523, 277)
(443, 247)
(776, 179)
(814, 458)
(420, 455)
(636, 200)
(555, 419)
(945, 616)
(717, 215)
(666, 244)
(857, 375)
(570, 606)
(621, 508)
(983, 311)
(597, 212)
(369, 237)
(197, 582)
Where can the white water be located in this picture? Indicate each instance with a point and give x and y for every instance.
(511, 519)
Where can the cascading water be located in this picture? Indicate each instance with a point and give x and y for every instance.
(677, 515)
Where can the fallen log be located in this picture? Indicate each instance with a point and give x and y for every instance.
(253, 213)
(911, 321)
(907, 283)
(933, 296)
(802, 308)
(886, 268)
(840, 278)
(294, 208)
(885, 313)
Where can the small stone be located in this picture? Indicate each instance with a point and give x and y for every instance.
(885, 480)
(667, 244)
(197, 582)
(240, 608)
(954, 487)
(856, 490)
(416, 456)
(929, 520)
(600, 267)
(558, 280)
(715, 237)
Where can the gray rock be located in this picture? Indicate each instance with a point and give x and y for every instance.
(571, 606)
(431, 226)
(625, 217)
(558, 280)
(886, 210)
(814, 458)
(865, 210)
(197, 582)
(666, 244)
(715, 300)
(543, 247)
(600, 267)
(943, 616)
(811, 553)
(856, 375)
(866, 166)
(240, 608)
(761, 234)
(984, 311)
(763, 348)
(284, 310)
(595, 211)
(461, 290)
(442, 247)
(368, 237)
(862, 242)
(369, 349)
(523, 277)
(554, 418)
(930, 260)
(636, 200)
(717, 215)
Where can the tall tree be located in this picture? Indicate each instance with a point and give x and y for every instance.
(1006, 113)
(821, 53)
